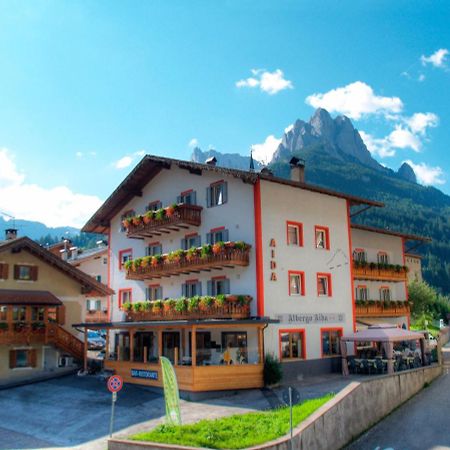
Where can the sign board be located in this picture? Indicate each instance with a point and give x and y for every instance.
(171, 393)
(147, 374)
(295, 396)
(313, 318)
(115, 383)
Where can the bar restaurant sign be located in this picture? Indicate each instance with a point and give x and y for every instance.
(147, 374)
(313, 318)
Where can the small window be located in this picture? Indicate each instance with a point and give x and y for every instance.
(25, 272)
(188, 198)
(234, 339)
(153, 292)
(19, 313)
(385, 293)
(154, 206)
(219, 286)
(217, 235)
(322, 237)
(191, 240)
(105, 260)
(22, 358)
(359, 255)
(3, 313)
(331, 342)
(216, 194)
(324, 285)
(99, 278)
(292, 344)
(383, 258)
(124, 297)
(93, 305)
(362, 293)
(37, 313)
(124, 256)
(155, 248)
(296, 283)
(126, 215)
(191, 288)
(294, 234)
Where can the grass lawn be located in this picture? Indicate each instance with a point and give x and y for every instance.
(233, 432)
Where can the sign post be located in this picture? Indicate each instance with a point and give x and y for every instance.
(115, 384)
(291, 397)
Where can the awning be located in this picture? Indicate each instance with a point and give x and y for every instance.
(383, 333)
(22, 297)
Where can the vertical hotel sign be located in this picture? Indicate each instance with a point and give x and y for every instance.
(273, 263)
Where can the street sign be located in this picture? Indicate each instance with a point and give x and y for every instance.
(115, 383)
(295, 396)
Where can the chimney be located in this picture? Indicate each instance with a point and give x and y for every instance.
(211, 161)
(267, 171)
(73, 252)
(10, 234)
(297, 169)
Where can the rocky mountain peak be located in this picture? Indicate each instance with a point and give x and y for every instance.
(407, 173)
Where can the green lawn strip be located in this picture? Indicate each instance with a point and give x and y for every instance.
(234, 432)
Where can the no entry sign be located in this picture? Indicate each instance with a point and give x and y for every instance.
(115, 383)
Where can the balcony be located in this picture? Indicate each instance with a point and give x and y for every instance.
(164, 221)
(378, 308)
(23, 333)
(380, 272)
(206, 258)
(96, 316)
(195, 308)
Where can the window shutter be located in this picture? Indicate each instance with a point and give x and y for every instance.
(199, 288)
(159, 250)
(147, 294)
(61, 315)
(98, 305)
(4, 271)
(193, 198)
(179, 199)
(209, 238)
(16, 272)
(12, 359)
(225, 235)
(34, 273)
(159, 294)
(209, 287)
(198, 241)
(208, 197)
(184, 290)
(184, 244)
(225, 192)
(226, 286)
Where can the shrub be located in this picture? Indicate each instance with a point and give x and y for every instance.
(126, 306)
(273, 372)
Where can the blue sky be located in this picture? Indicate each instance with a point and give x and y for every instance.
(87, 87)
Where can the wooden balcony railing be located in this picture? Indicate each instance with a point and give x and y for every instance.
(231, 307)
(183, 217)
(96, 316)
(186, 263)
(382, 309)
(375, 272)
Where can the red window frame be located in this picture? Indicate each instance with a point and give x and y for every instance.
(299, 226)
(120, 299)
(361, 286)
(327, 237)
(330, 285)
(381, 288)
(292, 330)
(382, 253)
(302, 282)
(359, 250)
(325, 330)
(121, 253)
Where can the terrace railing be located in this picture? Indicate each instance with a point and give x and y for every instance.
(382, 309)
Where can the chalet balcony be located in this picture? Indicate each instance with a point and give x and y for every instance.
(378, 308)
(195, 308)
(23, 333)
(206, 258)
(164, 221)
(97, 316)
(380, 272)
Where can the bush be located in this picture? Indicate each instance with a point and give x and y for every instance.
(273, 372)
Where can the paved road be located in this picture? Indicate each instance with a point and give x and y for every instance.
(422, 423)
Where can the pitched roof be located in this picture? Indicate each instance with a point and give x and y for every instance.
(408, 237)
(150, 166)
(22, 297)
(88, 283)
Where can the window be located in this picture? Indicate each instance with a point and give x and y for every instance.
(3, 313)
(3, 271)
(99, 278)
(359, 255)
(294, 231)
(22, 358)
(126, 215)
(124, 256)
(331, 341)
(296, 283)
(93, 305)
(322, 237)
(191, 240)
(153, 292)
(154, 248)
(234, 339)
(124, 296)
(105, 260)
(216, 194)
(383, 258)
(385, 293)
(37, 313)
(292, 344)
(217, 235)
(362, 293)
(19, 313)
(324, 285)
(25, 272)
(191, 288)
(154, 206)
(218, 286)
(187, 198)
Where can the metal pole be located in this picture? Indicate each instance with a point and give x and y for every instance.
(111, 423)
(290, 411)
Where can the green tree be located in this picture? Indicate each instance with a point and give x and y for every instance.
(427, 302)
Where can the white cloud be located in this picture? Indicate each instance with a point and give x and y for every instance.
(264, 152)
(270, 82)
(82, 155)
(403, 138)
(437, 59)
(421, 77)
(419, 122)
(376, 146)
(57, 206)
(355, 100)
(427, 175)
(289, 128)
(79, 155)
(124, 162)
(193, 143)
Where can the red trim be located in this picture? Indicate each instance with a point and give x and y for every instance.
(217, 182)
(352, 280)
(324, 330)
(121, 291)
(406, 281)
(292, 330)
(299, 226)
(302, 282)
(186, 236)
(121, 252)
(327, 236)
(186, 192)
(330, 286)
(222, 277)
(151, 244)
(213, 230)
(191, 281)
(258, 248)
(155, 202)
(154, 285)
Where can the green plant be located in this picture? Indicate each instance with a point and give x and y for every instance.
(137, 307)
(181, 305)
(137, 263)
(128, 264)
(273, 372)
(157, 305)
(372, 265)
(170, 303)
(126, 306)
(206, 302)
(241, 300)
(160, 214)
(193, 303)
(206, 250)
(240, 245)
(398, 268)
(220, 300)
(147, 306)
